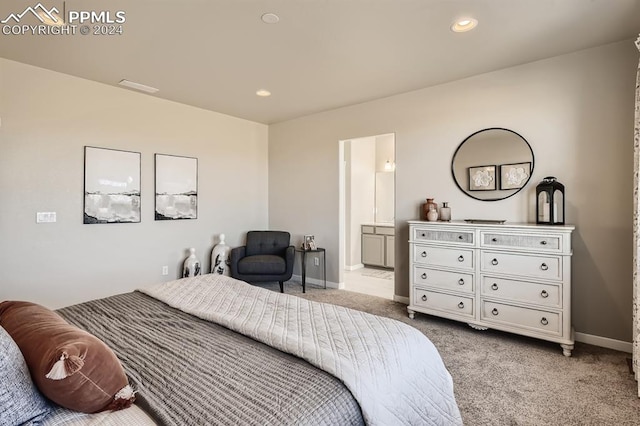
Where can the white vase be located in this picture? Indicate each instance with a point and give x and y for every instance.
(220, 259)
(445, 212)
(191, 265)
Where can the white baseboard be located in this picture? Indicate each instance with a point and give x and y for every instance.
(604, 342)
(401, 299)
(316, 282)
(354, 267)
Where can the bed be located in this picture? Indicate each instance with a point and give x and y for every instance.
(215, 350)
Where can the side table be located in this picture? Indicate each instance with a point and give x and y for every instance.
(303, 257)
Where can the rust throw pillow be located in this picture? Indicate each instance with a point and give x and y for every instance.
(68, 365)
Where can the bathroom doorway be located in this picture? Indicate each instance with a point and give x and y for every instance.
(367, 215)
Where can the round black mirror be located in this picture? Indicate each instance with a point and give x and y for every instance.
(492, 164)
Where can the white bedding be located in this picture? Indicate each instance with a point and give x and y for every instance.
(394, 372)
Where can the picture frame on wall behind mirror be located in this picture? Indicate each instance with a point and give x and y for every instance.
(176, 187)
(111, 186)
(514, 176)
(482, 178)
(309, 243)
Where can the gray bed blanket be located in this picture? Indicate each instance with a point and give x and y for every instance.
(190, 371)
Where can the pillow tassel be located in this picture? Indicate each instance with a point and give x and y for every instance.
(65, 367)
(123, 399)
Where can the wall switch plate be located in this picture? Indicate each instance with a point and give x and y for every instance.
(46, 217)
(316, 261)
(165, 270)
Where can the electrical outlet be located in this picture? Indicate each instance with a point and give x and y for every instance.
(165, 270)
(46, 217)
(316, 261)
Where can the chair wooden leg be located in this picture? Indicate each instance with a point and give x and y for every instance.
(281, 286)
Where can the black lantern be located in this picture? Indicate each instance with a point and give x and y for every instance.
(550, 202)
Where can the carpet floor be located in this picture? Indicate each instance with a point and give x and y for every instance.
(505, 379)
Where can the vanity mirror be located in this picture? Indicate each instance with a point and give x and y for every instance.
(492, 164)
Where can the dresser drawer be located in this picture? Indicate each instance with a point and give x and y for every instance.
(444, 302)
(529, 242)
(442, 236)
(440, 256)
(531, 319)
(522, 291)
(444, 279)
(548, 267)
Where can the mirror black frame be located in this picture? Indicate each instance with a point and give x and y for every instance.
(453, 159)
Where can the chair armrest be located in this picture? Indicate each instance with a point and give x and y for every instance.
(289, 257)
(236, 254)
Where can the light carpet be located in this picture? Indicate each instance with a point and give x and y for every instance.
(505, 379)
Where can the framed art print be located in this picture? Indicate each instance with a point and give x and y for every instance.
(176, 187)
(111, 186)
(482, 178)
(514, 176)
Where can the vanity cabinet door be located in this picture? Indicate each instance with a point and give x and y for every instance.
(373, 249)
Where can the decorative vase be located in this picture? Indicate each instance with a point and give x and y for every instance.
(191, 265)
(220, 260)
(428, 205)
(445, 212)
(432, 215)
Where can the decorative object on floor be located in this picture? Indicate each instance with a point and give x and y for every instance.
(482, 178)
(191, 266)
(550, 202)
(267, 256)
(111, 186)
(445, 212)
(426, 206)
(176, 187)
(220, 259)
(309, 242)
(491, 146)
(514, 176)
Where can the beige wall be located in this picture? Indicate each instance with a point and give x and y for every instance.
(47, 119)
(575, 110)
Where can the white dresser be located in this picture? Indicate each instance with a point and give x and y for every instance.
(510, 277)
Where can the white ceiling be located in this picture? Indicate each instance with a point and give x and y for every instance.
(323, 54)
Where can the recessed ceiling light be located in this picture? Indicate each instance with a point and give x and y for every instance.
(138, 86)
(263, 93)
(270, 18)
(464, 24)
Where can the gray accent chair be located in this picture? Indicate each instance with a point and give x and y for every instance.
(267, 256)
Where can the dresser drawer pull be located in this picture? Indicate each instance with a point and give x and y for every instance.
(423, 254)
(543, 242)
(460, 237)
(544, 321)
(544, 267)
(461, 281)
(460, 258)
(424, 235)
(494, 286)
(494, 262)
(494, 240)
(495, 311)
(423, 276)
(424, 297)
(544, 294)
(461, 305)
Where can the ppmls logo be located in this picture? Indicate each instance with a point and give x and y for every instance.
(52, 22)
(39, 11)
